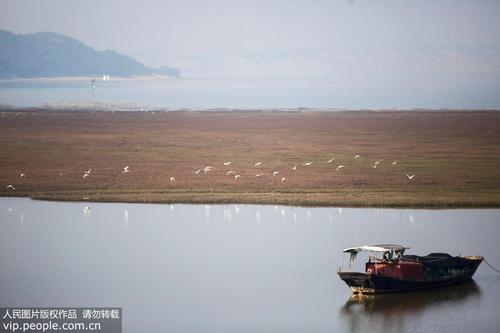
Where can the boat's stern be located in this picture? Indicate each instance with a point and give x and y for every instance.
(360, 283)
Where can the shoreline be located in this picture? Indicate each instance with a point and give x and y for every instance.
(455, 156)
(77, 107)
(229, 200)
(87, 78)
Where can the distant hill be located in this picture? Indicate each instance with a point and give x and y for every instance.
(47, 54)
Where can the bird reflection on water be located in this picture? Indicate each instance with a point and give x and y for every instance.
(395, 312)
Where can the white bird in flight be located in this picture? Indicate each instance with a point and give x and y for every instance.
(340, 167)
(22, 175)
(11, 187)
(395, 162)
(230, 173)
(126, 169)
(258, 175)
(227, 163)
(307, 163)
(294, 167)
(283, 179)
(275, 173)
(376, 162)
(172, 179)
(88, 171)
(197, 171)
(257, 164)
(237, 177)
(356, 157)
(410, 177)
(207, 169)
(85, 175)
(330, 160)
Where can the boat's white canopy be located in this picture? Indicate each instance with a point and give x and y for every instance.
(376, 248)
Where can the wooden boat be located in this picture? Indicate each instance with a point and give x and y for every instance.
(388, 269)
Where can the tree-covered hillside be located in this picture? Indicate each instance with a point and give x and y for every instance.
(47, 54)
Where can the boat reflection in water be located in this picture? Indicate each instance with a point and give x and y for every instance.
(401, 312)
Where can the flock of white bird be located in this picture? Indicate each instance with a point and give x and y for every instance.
(237, 176)
(283, 179)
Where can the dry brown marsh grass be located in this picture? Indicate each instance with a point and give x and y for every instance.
(455, 156)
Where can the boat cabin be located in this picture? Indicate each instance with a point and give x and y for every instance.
(386, 260)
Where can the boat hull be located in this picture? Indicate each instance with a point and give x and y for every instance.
(369, 283)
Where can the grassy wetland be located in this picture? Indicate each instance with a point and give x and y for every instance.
(454, 155)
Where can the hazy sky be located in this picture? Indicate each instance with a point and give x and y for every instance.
(338, 39)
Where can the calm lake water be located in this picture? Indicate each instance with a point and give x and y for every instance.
(239, 268)
(294, 92)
